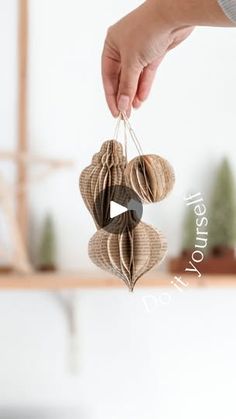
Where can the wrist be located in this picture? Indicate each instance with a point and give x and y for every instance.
(167, 13)
(184, 13)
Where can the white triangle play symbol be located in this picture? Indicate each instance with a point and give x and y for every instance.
(116, 209)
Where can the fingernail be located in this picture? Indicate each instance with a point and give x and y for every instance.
(123, 103)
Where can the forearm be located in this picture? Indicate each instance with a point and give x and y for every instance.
(136, 45)
(192, 12)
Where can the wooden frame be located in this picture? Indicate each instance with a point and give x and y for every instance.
(22, 204)
(18, 220)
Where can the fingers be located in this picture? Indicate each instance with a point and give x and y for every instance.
(110, 76)
(136, 103)
(128, 85)
(145, 82)
(125, 84)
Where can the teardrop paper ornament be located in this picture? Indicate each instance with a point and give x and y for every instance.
(106, 170)
(129, 254)
(150, 176)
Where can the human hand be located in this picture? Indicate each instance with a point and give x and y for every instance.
(133, 50)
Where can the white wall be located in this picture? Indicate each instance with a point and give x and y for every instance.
(179, 360)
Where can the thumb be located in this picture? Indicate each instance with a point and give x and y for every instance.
(128, 86)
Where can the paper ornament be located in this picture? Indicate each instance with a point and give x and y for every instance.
(129, 254)
(150, 176)
(106, 169)
(124, 245)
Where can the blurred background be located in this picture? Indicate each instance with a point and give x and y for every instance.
(177, 359)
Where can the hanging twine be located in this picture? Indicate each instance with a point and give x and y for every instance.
(127, 130)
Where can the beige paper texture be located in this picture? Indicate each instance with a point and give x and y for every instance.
(106, 169)
(150, 176)
(135, 248)
(129, 254)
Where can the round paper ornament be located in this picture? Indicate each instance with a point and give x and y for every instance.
(150, 176)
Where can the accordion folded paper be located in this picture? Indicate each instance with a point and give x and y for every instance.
(106, 170)
(130, 254)
(124, 245)
(150, 176)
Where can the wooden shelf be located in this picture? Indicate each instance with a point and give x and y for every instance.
(85, 280)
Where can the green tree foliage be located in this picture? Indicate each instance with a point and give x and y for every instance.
(47, 249)
(222, 215)
(189, 230)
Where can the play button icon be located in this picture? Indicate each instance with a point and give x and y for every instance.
(116, 208)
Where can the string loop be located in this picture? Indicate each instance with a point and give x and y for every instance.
(127, 128)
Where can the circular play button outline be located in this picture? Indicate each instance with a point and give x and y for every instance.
(124, 196)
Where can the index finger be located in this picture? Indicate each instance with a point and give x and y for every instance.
(110, 76)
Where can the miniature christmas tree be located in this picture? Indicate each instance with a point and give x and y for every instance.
(222, 219)
(47, 250)
(189, 233)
